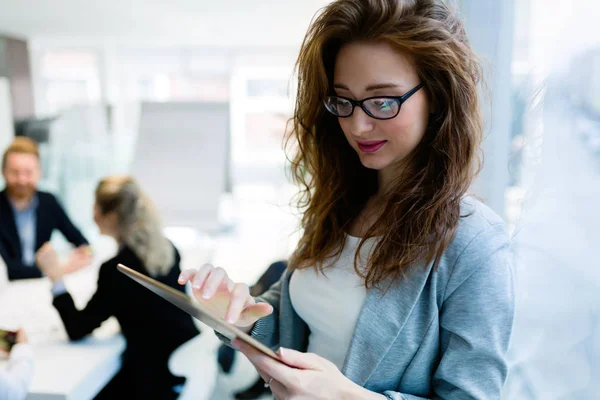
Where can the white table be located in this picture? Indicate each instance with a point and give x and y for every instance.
(74, 370)
(63, 370)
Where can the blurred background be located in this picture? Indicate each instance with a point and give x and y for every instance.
(192, 98)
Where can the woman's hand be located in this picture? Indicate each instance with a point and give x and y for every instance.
(47, 261)
(21, 336)
(229, 300)
(303, 376)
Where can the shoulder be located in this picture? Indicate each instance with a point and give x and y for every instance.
(177, 259)
(476, 219)
(481, 242)
(47, 199)
(479, 228)
(125, 256)
(46, 196)
(173, 273)
(3, 198)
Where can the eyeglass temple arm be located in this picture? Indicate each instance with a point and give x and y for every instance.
(411, 92)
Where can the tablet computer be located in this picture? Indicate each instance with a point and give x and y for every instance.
(196, 310)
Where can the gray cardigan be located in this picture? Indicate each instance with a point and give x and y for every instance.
(439, 334)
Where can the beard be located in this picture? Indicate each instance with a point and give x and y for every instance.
(20, 192)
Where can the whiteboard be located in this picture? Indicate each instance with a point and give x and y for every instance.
(181, 160)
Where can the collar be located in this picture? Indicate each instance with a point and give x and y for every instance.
(35, 201)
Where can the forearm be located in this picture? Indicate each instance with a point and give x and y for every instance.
(77, 323)
(17, 270)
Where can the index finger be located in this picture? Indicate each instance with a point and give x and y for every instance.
(186, 275)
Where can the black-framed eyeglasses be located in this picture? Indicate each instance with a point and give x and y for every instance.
(380, 107)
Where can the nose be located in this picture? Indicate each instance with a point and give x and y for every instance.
(360, 123)
(21, 179)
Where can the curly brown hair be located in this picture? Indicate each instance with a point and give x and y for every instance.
(422, 211)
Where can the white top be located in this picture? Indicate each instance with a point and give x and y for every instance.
(330, 304)
(16, 377)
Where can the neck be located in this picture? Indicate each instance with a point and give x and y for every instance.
(386, 177)
(20, 203)
(385, 180)
(111, 234)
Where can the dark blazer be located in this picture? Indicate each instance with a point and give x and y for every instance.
(50, 216)
(152, 327)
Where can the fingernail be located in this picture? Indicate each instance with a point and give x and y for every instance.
(206, 295)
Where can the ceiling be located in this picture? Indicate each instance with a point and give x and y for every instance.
(202, 22)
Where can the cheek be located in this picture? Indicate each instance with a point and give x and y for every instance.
(9, 177)
(31, 178)
(96, 216)
(344, 124)
(404, 130)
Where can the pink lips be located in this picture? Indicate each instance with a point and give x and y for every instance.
(372, 146)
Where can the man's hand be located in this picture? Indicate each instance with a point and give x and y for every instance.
(80, 257)
(48, 263)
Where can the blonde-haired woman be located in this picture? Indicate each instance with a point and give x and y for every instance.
(153, 328)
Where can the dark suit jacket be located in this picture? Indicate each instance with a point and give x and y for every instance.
(50, 216)
(152, 327)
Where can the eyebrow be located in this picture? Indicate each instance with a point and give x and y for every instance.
(370, 87)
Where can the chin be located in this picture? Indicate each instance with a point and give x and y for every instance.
(21, 194)
(374, 162)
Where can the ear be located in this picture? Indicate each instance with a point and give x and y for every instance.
(112, 218)
(433, 106)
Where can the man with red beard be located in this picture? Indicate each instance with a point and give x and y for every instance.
(28, 216)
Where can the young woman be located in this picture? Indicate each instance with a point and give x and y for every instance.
(152, 328)
(401, 285)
